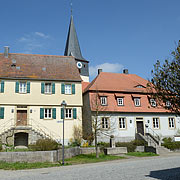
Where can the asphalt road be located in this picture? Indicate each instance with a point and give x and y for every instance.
(164, 168)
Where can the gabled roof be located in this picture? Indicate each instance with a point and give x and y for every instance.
(115, 85)
(117, 82)
(43, 67)
(72, 43)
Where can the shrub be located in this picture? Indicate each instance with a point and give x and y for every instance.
(130, 146)
(170, 144)
(1, 147)
(44, 145)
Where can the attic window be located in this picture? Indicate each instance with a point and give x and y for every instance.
(140, 86)
(44, 69)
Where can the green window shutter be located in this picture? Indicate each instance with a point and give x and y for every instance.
(42, 88)
(54, 113)
(53, 88)
(2, 86)
(2, 113)
(62, 88)
(73, 88)
(74, 113)
(28, 87)
(62, 113)
(17, 87)
(41, 113)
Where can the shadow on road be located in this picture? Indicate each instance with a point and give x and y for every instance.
(166, 174)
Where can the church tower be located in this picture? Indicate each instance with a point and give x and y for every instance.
(73, 49)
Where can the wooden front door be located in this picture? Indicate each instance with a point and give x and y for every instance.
(21, 118)
(140, 127)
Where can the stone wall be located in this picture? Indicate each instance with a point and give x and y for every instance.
(44, 156)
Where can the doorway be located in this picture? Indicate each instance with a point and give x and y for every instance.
(21, 118)
(140, 127)
(21, 139)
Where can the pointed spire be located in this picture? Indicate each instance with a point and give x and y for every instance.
(72, 43)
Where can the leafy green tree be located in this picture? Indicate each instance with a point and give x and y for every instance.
(165, 82)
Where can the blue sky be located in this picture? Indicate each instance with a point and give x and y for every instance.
(113, 34)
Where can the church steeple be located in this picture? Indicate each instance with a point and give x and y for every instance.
(73, 49)
(72, 43)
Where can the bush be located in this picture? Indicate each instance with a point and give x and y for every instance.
(170, 144)
(44, 145)
(131, 146)
(1, 147)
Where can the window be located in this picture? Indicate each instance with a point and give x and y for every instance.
(137, 102)
(171, 122)
(153, 102)
(48, 88)
(120, 101)
(68, 89)
(122, 123)
(22, 87)
(47, 113)
(105, 123)
(156, 123)
(168, 104)
(68, 113)
(103, 101)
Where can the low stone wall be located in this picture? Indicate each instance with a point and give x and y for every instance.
(44, 156)
(115, 151)
(140, 149)
(37, 156)
(88, 150)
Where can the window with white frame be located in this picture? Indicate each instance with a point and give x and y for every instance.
(103, 101)
(68, 89)
(22, 87)
(156, 123)
(105, 123)
(68, 113)
(47, 113)
(153, 102)
(120, 101)
(137, 102)
(122, 123)
(48, 88)
(171, 122)
(168, 104)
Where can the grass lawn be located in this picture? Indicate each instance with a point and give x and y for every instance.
(25, 165)
(91, 158)
(141, 154)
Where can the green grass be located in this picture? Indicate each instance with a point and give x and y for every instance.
(141, 154)
(91, 158)
(25, 165)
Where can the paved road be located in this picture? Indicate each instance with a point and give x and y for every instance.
(164, 168)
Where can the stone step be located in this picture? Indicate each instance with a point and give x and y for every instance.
(162, 150)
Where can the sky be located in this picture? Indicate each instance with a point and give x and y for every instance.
(113, 34)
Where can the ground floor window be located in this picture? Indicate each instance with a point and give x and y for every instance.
(122, 123)
(105, 123)
(47, 113)
(68, 113)
(156, 123)
(171, 122)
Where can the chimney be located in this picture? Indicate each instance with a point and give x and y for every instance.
(6, 51)
(125, 71)
(99, 71)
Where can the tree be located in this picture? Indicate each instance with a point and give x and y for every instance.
(97, 129)
(165, 82)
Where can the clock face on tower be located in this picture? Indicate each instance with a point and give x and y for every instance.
(79, 65)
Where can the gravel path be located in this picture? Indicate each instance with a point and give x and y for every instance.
(165, 167)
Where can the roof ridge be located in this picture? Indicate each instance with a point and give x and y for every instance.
(38, 55)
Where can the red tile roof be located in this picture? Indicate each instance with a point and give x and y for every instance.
(113, 85)
(44, 67)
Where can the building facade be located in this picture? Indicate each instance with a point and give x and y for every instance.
(124, 108)
(32, 89)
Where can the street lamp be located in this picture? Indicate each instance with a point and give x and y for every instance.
(63, 104)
